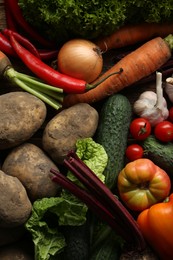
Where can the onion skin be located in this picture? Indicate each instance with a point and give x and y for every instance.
(80, 59)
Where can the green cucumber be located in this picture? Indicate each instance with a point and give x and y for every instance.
(109, 249)
(160, 153)
(105, 243)
(112, 133)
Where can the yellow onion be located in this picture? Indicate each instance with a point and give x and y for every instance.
(80, 59)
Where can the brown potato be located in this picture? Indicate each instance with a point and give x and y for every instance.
(62, 131)
(15, 206)
(32, 167)
(21, 115)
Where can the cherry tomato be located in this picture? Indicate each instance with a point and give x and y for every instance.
(171, 114)
(163, 131)
(134, 152)
(140, 128)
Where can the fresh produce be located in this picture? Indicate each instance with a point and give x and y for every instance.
(59, 215)
(151, 105)
(136, 65)
(45, 72)
(5, 46)
(140, 128)
(23, 40)
(106, 244)
(160, 153)
(142, 183)
(21, 115)
(61, 20)
(164, 131)
(50, 216)
(8, 17)
(98, 197)
(131, 34)
(15, 206)
(80, 58)
(134, 152)
(156, 224)
(19, 19)
(112, 132)
(36, 174)
(49, 94)
(64, 129)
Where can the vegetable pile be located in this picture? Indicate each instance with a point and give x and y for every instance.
(98, 181)
(62, 20)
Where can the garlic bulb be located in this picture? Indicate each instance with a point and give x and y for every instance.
(151, 105)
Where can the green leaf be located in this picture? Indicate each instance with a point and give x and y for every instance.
(48, 214)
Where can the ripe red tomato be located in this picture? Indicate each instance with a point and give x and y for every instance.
(142, 183)
(134, 152)
(140, 128)
(171, 114)
(163, 131)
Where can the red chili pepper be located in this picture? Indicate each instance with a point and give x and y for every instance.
(19, 19)
(48, 74)
(48, 54)
(23, 40)
(5, 46)
(9, 19)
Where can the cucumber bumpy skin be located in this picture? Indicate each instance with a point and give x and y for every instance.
(112, 134)
(160, 153)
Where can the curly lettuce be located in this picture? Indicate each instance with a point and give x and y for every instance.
(65, 19)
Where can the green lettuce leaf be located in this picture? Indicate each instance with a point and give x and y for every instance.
(48, 214)
(93, 155)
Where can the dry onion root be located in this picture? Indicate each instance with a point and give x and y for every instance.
(80, 59)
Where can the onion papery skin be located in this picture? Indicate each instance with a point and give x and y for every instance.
(81, 59)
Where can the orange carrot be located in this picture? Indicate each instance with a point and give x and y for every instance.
(136, 65)
(132, 34)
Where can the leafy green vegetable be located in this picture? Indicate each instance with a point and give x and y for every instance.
(47, 240)
(48, 214)
(65, 19)
(93, 155)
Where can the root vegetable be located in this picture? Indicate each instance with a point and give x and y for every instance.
(69, 125)
(21, 115)
(15, 206)
(31, 166)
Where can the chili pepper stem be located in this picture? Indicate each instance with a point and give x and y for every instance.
(90, 86)
(10, 74)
